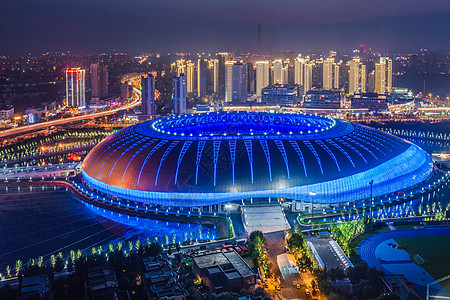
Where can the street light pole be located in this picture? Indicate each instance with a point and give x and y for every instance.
(371, 196)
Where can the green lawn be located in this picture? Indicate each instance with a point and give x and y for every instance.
(435, 250)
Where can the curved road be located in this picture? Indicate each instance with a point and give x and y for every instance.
(23, 129)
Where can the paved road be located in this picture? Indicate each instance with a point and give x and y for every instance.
(38, 126)
(276, 246)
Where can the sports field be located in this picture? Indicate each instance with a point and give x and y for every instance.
(434, 250)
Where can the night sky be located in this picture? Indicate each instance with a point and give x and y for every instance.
(209, 25)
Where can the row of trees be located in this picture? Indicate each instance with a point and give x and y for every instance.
(344, 232)
(257, 248)
(366, 283)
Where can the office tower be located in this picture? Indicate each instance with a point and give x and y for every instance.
(75, 87)
(236, 82)
(277, 66)
(223, 58)
(380, 78)
(190, 76)
(388, 63)
(179, 94)
(201, 78)
(216, 76)
(148, 95)
(281, 94)
(357, 76)
(251, 78)
(307, 77)
(262, 76)
(299, 65)
(99, 82)
(328, 66)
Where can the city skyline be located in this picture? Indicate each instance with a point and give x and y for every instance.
(143, 26)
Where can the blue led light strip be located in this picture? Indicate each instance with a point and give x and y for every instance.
(361, 140)
(109, 147)
(283, 153)
(216, 147)
(314, 152)
(126, 150)
(267, 153)
(353, 148)
(325, 147)
(135, 154)
(115, 149)
(360, 145)
(180, 158)
(200, 147)
(232, 144)
(342, 150)
(248, 146)
(106, 142)
(171, 146)
(300, 154)
(159, 145)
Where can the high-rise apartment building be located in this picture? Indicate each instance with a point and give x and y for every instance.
(383, 76)
(307, 77)
(148, 106)
(75, 87)
(236, 82)
(328, 68)
(99, 82)
(190, 77)
(277, 66)
(357, 76)
(179, 94)
(201, 78)
(216, 76)
(262, 76)
(223, 58)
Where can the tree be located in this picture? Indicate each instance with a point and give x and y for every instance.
(18, 267)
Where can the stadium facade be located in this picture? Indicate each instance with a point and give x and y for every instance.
(206, 159)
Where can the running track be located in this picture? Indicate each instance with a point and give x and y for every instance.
(366, 250)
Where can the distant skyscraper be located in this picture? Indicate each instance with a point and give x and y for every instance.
(277, 66)
(236, 82)
(201, 78)
(307, 77)
(328, 66)
(148, 106)
(75, 87)
(190, 76)
(216, 76)
(299, 66)
(380, 78)
(181, 67)
(251, 78)
(357, 76)
(99, 82)
(383, 76)
(223, 58)
(262, 76)
(336, 76)
(179, 94)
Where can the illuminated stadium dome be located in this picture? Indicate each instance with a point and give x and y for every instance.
(205, 159)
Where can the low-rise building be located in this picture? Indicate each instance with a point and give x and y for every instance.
(372, 101)
(281, 94)
(223, 271)
(323, 99)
